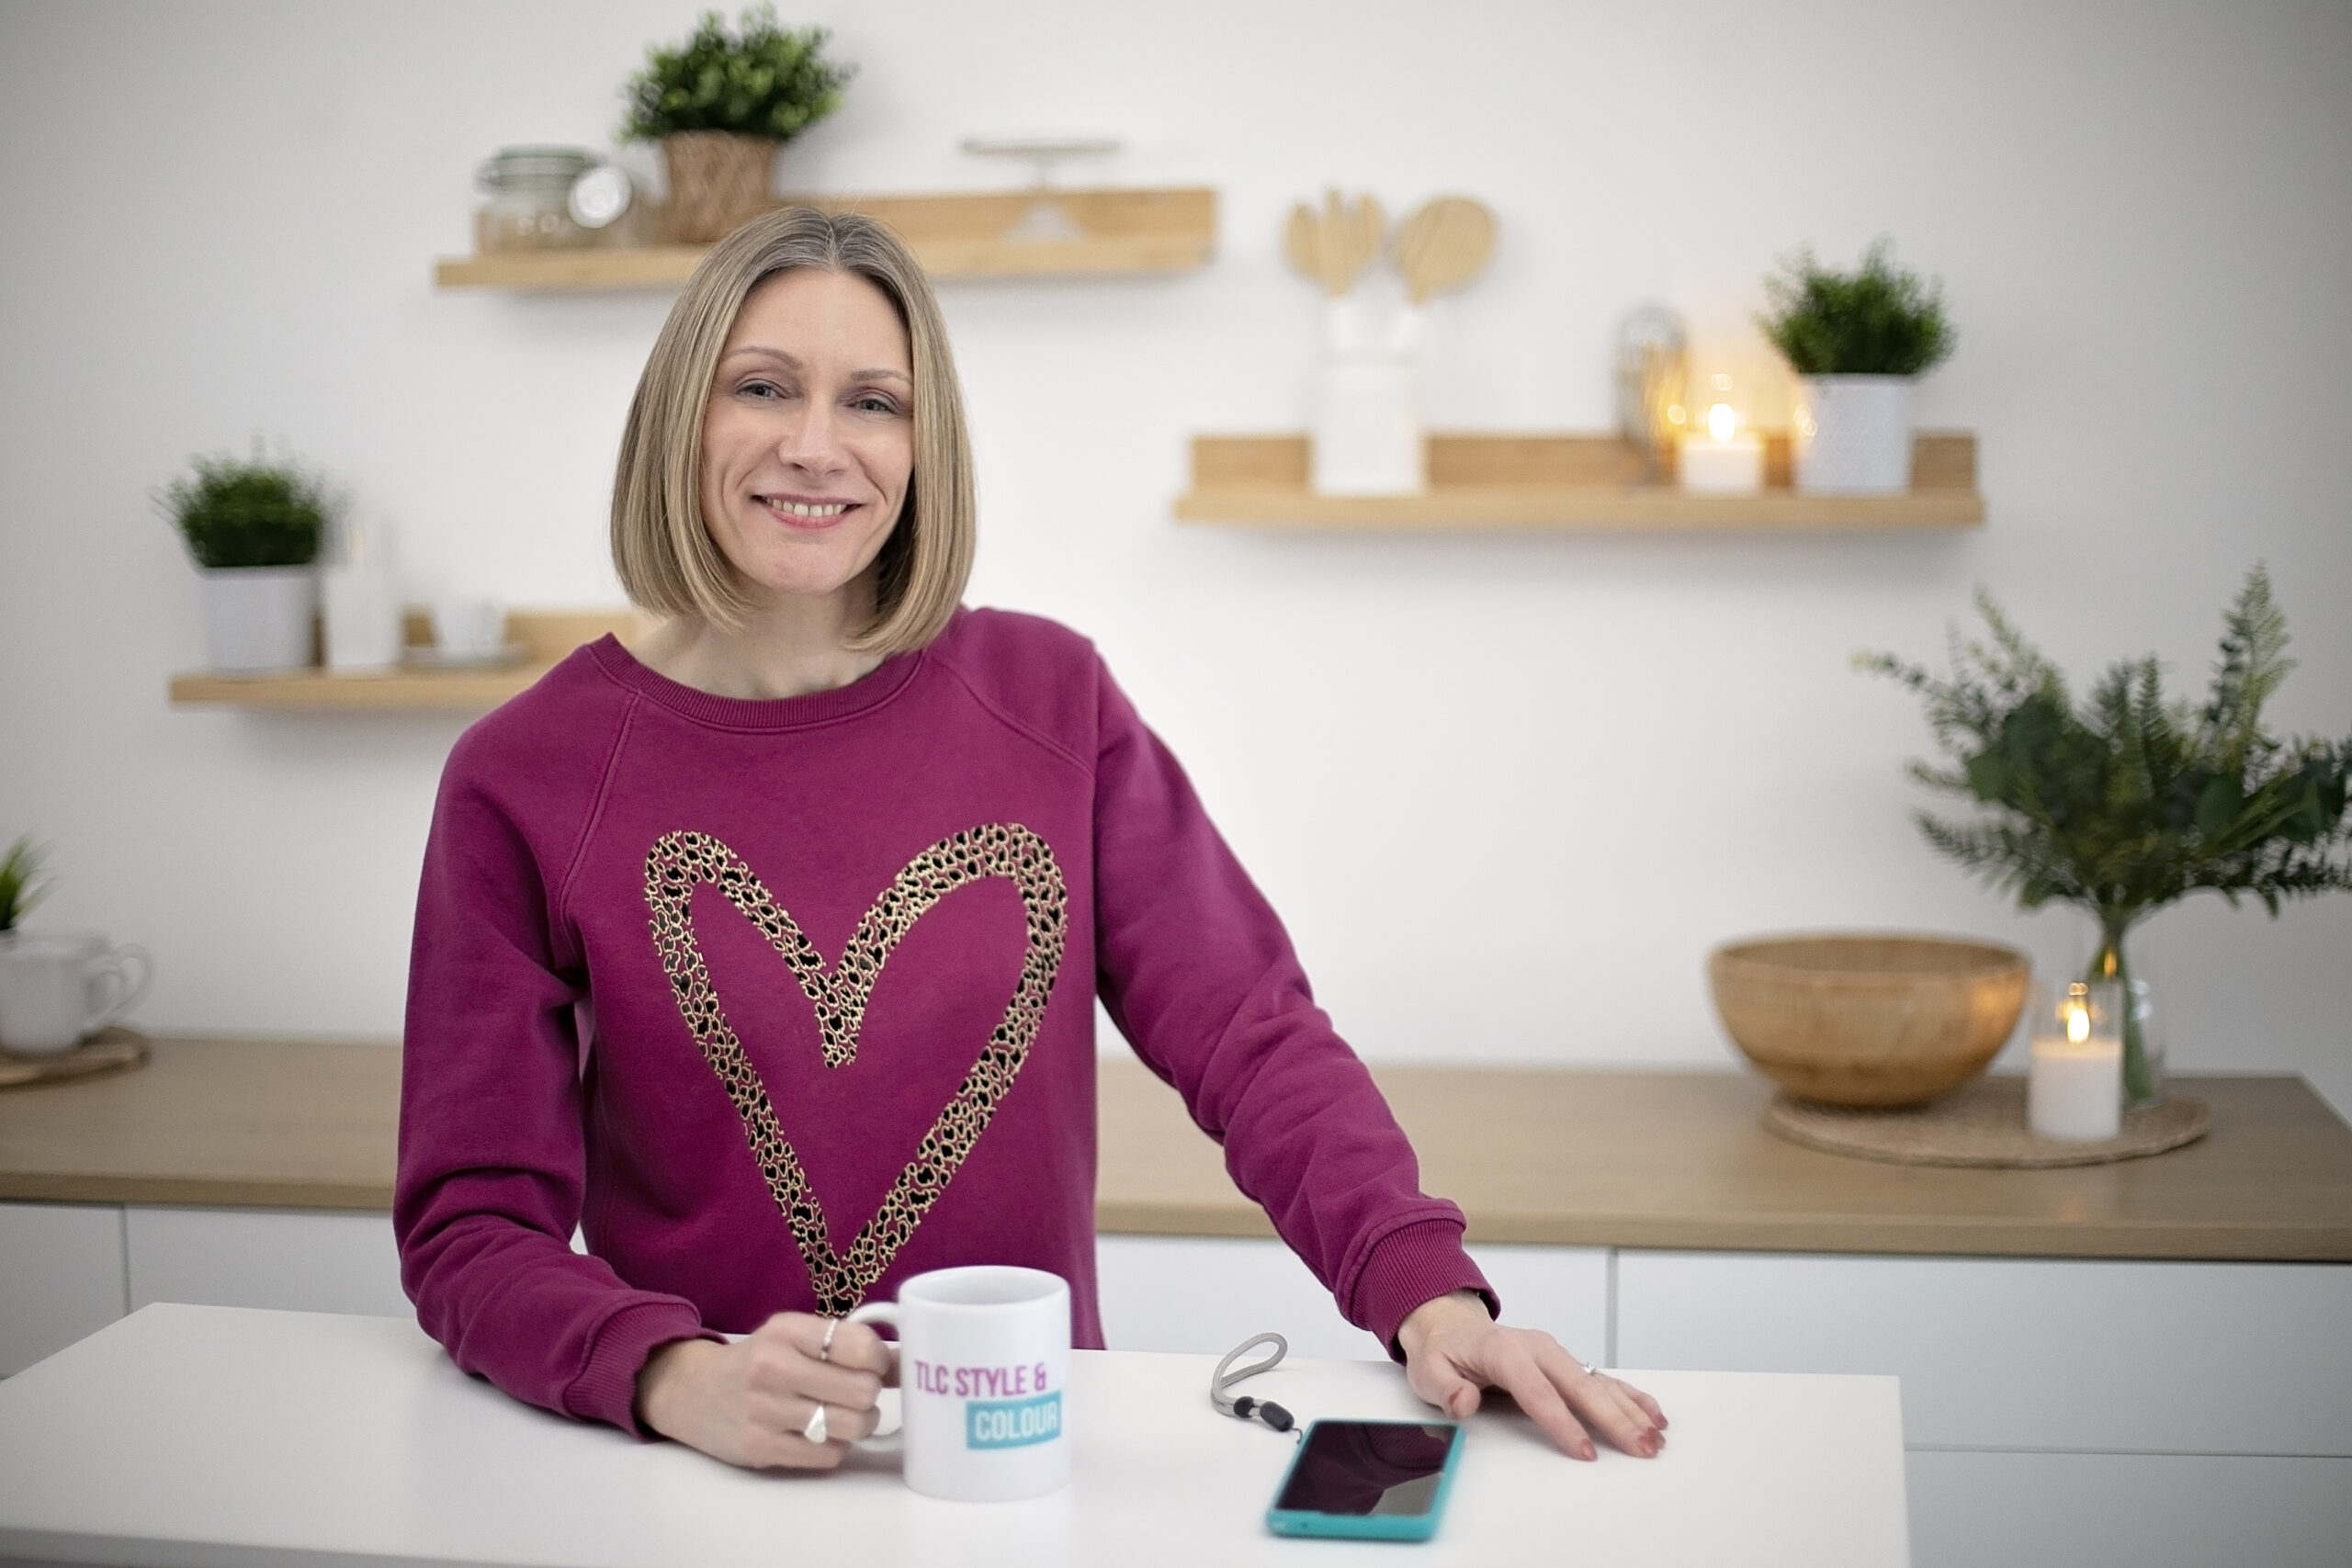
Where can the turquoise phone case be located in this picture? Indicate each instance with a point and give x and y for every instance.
(1368, 1527)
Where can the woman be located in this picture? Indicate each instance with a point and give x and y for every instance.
(661, 865)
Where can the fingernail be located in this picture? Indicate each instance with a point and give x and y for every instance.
(1586, 1450)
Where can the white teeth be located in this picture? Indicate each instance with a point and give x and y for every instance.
(804, 509)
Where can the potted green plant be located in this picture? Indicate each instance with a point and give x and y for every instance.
(253, 526)
(2126, 803)
(21, 885)
(719, 105)
(1860, 340)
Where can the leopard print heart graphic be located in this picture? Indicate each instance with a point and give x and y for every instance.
(681, 862)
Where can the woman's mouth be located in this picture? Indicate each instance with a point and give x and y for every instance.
(795, 512)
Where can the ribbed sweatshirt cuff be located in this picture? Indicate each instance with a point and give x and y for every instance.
(1410, 1265)
(605, 1389)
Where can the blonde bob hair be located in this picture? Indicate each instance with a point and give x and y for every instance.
(662, 545)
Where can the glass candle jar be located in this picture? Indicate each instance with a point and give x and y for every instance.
(529, 190)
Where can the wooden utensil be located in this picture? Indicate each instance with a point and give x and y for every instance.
(1336, 245)
(1443, 243)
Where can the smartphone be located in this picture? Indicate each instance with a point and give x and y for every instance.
(1370, 1480)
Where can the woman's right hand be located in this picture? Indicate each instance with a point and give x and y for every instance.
(749, 1401)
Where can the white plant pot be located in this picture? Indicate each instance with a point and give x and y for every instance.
(1853, 438)
(260, 618)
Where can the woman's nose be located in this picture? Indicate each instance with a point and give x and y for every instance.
(813, 441)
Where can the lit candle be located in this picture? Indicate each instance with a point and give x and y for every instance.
(2075, 1092)
(1726, 460)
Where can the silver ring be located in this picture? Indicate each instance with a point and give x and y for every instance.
(815, 1430)
(1592, 1369)
(825, 1351)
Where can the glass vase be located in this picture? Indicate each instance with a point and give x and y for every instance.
(2143, 1046)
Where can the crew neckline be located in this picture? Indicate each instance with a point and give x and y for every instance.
(870, 690)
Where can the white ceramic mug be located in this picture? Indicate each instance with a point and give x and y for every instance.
(468, 628)
(57, 991)
(983, 1381)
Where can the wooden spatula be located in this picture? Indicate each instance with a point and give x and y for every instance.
(1443, 243)
(1336, 245)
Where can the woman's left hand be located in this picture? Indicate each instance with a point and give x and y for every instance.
(1453, 1350)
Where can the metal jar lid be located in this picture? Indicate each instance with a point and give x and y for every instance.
(512, 168)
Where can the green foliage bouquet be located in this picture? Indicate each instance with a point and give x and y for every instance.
(1876, 320)
(242, 513)
(2126, 803)
(764, 80)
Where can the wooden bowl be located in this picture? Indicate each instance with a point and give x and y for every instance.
(1868, 1020)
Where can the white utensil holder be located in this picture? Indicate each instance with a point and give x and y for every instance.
(1367, 437)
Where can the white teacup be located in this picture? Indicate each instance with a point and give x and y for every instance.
(983, 1381)
(57, 991)
(468, 628)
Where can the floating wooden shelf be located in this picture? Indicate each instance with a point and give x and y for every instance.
(1562, 482)
(1125, 232)
(545, 636)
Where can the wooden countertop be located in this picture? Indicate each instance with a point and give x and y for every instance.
(225, 1124)
(1564, 1158)
(1681, 1159)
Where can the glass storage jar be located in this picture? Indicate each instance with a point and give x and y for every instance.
(528, 190)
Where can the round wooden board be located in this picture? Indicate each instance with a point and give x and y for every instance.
(111, 1050)
(1982, 1123)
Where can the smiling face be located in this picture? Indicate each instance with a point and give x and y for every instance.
(807, 441)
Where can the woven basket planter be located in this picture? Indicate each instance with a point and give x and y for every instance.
(719, 181)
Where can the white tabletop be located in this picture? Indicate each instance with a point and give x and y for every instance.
(215, 1436)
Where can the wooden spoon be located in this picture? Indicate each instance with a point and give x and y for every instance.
(1443, 243)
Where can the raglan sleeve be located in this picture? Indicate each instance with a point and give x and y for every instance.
(492, 1152)
(1199, 974)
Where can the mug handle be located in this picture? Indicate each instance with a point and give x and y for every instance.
(112, 966)
(886, 1312)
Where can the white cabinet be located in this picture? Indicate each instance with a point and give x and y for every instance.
(303, 1260)
(2044, 1510)
(2057, 1411)
(61, 1277)
(2162, 1357)
(1205, 1294)
(2025, 1352)
(68, 1269)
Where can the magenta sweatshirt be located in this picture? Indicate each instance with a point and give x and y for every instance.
(781, 1002)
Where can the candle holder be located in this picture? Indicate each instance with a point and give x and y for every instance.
(2074, 1092)
(1653, 363)
(1722, 456)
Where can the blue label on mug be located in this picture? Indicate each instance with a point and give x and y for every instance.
(1013, 1423)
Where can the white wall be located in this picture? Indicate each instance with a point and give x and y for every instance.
(1507, 791)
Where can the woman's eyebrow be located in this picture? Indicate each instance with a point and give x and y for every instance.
(791, 362)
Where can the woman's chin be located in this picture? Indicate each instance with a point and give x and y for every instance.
(798, 587)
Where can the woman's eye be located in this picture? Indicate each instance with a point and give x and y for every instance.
(874, 402)
(761, 389)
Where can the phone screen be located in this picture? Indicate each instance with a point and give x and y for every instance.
(1388, 1469)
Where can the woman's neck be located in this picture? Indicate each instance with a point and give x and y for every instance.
(788, 647)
